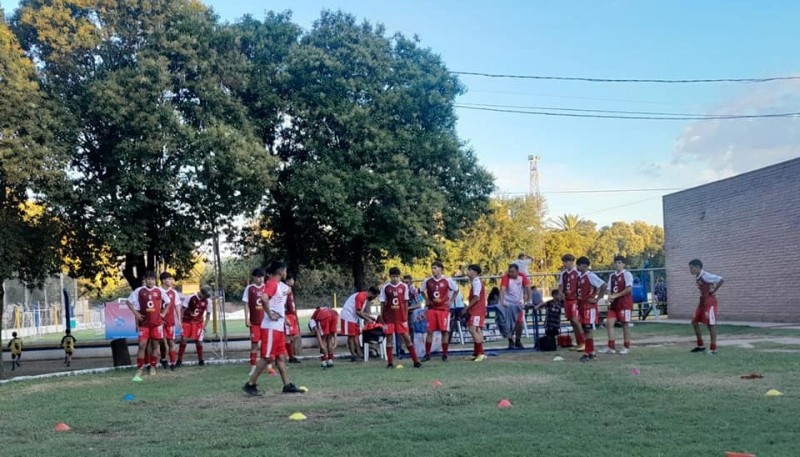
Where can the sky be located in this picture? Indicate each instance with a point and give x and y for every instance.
(624, 39)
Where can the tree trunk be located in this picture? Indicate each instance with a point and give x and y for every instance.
(133, 270)
(357, 263)
(2, 310)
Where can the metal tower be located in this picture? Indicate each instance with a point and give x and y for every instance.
(533, 170)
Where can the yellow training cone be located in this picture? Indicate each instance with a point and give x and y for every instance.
(303, 389)
(399, 367)
(297, 417)
(774, 393)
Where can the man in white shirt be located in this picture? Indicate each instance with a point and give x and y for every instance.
(515, 290)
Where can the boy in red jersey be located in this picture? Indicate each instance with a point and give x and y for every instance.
(148, 305)
(706, 312)
(353, 310)
(440, 293)
(515, 290)
(254, 298)
(590, 289)
(292, 324)
(196, 310)
(394, 314)
(171, 319)
(620, 284)
(568, 285)
(476, 310)
(323, 323)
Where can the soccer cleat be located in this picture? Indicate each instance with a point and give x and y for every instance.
(330, 363)
(607, 350)
(699, 349)
(179, 364)
(68, 363)
(510, 345)
(480, 358)
(13, 366)
(324, 364)
(291, 389)
(272, 372)
(709, 352)
(171, 367)
(251, 390)
(19, 364)
(586, 357)
(427, 358)
(201, 362)
(294, 360)
(518, 345)
(444, 358)
(164, 364)
(624, 351)
(353, 358)
(390, 365)
(151, 371)
(417, 365)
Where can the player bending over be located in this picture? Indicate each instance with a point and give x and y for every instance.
(706, 312)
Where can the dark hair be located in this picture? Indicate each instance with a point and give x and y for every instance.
(373, 290)
(438, 263)
(394, 271)
(14, 334)
(567, 258)
(514, 266)
(475, 267)
(619, 258)
(276, 266)
(149, 274)
(258, 273)
(68, 331)
(165, 275)
(584, 261)
(555, 292)
(696, 263)
(407, 277)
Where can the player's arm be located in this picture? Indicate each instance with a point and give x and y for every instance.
(454, 294)
(424, 291)
(362, 313)
(602, 287)
(474, 300)
(133, 302)
(560, 283)
(63, 339)
(626, 291)
(526, 290)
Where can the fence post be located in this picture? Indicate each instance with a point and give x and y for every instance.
(656, 311)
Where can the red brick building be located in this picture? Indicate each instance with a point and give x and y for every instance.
(745, 229)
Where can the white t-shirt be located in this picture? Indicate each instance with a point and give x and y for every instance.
(709, 278)
(523, 265)
(277, 304)
(349, 308)
(515, 293)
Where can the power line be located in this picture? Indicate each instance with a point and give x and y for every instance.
(651, 118)
(627, 80)
(550, 108)
(599, 191)
(619, 206)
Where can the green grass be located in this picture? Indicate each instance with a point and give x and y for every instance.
(680, 405)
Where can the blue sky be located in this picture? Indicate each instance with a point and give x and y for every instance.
(607, 39)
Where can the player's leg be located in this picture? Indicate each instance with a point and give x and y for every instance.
(255, 339)
(698, 318)
(186, 328)
(589, 344)
(611, 321)
(412, 351)
(173, 355)
(162, 344)
(518, 330)
(433, 325)
(711, 321)
(69, 358)
(444, 326)
(154, 353)
(712, 331)
(13, 361)
(144, 343)
(250, 387)
(297, 346)
(389, 338)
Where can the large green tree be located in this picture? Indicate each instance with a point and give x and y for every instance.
(164, 153)
(371, 164)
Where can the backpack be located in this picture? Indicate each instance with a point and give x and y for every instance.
(373, 333)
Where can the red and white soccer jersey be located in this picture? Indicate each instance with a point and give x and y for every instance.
(292, 324)
(706, 312)
(325, 319)
(394, 308)
(477, 314)
(194, 314)
(172, 310)
(438, 293)
(273, 336)
(253, 296)
(357, 301)
(514, 288)
(622, 307)
(568, 283)
(149, 302)
(588, 283)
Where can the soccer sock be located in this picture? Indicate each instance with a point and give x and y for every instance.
(413, 351)
(700, 342)
(389, 354)
(612, 344)
(253, 358)
(199, 348)
(428, 348)
(479, 348)
(580, 338)
(627, 344)
(713, 346)
(172, 356)
(289, 350)
(153, 361)
(475, 350)
(444, 348)
(181, 350)
(330, 356)
(589, 346)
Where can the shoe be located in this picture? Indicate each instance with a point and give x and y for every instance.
(324, 364)
(518, 345)
(152, 371)
(171, 367)
(201, 363)
(699, 349)
(251, 390)
(272, 372)
(390, 365)
(417, 365)
(607, 350)
(294, 360)
(179, 364)
(444, 358)
(353, 358)
(480, 358)
(581, 347)
(137, 377)
(586, 357)
(427, 358)
(291, 389)
(330, 363)
(710, 352)
(624, 351)
(19, 364)
(68, 363)
(164, 364)
(13, 366)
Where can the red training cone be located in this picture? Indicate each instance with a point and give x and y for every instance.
(436, 384)
(738, 454)
(62, 427)
(504, 404)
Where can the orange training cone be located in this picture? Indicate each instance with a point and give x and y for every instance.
(738, 454)
(504, 404)
(436, 384)
(62, 427)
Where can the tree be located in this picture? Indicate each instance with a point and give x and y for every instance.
(371, 164)
(574, 223)
(29, 165)
(164, 154)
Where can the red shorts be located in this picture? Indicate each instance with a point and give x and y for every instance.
(476, 320)
(350, 328)
(398, 328)
(292, 326)
(589, 315)
(328, 326)
(155, 332)
(571, 309)
(621, 313)
(192, 331)
(706, 312)
(255, 333)
(273, 343)
(438, 319)
(169, 332)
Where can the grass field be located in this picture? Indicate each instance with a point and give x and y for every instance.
(680, 404)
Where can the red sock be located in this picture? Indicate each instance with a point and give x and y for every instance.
(253, 358)
(479, 348)
(627, 345)
(181, 350)
(289, 350)
(612, 344)
(153, 361)
(413, 351)
(330, 356)
(444, 348)
(713, 346)
(428, 349)
(700, 342)
(389, 354)
(199, 348)
(172, 356)
(590, 346)
(580, 339)
(139, 362)
(475, 350)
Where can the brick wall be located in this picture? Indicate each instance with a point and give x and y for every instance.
(745, 229)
